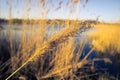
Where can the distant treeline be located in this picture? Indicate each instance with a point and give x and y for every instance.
(49, 21)
(3, 21)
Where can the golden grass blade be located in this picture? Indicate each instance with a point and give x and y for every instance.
(79, 65)
(56, 39)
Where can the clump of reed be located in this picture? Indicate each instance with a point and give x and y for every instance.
(39, 57)
(105, 38)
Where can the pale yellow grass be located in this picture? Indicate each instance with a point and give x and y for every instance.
(34, 48)
(27, 54)
(106, 38)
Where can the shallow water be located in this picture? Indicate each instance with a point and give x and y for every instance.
(17, 30)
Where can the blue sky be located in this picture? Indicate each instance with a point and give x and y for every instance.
(106, 10)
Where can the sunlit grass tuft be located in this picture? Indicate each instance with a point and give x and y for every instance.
(106, 38)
